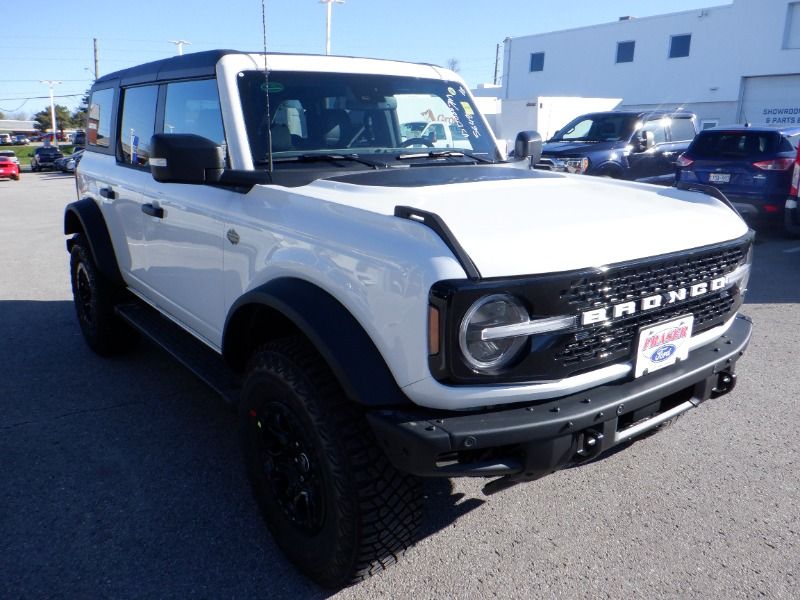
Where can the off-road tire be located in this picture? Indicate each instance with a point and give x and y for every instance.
(365, 513)
(95, 298)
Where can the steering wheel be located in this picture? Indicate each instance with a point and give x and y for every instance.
(417, 141)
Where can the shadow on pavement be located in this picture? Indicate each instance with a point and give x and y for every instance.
(122, 477)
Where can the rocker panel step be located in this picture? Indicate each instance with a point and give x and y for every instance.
(201, 360)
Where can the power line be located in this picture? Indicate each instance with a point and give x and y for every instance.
(42, 97)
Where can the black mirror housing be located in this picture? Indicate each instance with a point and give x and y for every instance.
(185, 158)
(528, 145)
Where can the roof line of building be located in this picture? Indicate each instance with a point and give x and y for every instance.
(619, 22)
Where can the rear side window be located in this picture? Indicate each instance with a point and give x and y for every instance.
(138, 122)
(98, 127)
(193, 107)
(682, 130)
(720, 144)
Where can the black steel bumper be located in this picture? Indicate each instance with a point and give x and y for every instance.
(526, 442)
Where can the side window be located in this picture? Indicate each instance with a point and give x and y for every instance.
(682, 130)
(138, 121)
(658, 129)
(193, 107)
(98, 129)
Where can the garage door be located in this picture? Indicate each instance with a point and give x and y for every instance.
(773, 100)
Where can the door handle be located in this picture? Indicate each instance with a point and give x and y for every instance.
(153, 211)
(108, 193)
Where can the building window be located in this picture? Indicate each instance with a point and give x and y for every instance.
(537, 61)
(625, 51)
(791, 38)
(709, 123)
(679, 45)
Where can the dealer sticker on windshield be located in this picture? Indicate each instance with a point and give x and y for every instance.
(663, 344)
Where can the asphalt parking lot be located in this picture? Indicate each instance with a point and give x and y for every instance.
(121, 478)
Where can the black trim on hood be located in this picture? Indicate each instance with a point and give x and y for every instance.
(440, 175)
(437, 224)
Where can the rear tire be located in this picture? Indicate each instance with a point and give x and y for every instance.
(334, 504)
(95, 298)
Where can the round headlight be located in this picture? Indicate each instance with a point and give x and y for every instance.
(492, 311)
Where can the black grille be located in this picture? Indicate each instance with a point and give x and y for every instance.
(628, 283)
(616, 340)
(563, 354)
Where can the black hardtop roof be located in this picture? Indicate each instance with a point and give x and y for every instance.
(195, 64)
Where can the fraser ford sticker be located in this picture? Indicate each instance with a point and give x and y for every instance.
(663, 344)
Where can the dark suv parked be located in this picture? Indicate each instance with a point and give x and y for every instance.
(45, 158)
(621, 144)
(752, 166)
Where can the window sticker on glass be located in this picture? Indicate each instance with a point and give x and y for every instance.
(273, 87)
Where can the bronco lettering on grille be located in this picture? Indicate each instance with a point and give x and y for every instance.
(598, 315)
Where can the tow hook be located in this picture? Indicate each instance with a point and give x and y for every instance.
(726, 381)
(589, 444)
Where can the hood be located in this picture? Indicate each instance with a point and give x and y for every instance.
(520, 222)
(577, 148)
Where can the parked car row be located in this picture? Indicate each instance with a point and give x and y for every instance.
(752, 166)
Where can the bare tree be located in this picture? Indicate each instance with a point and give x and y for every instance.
(452, 64)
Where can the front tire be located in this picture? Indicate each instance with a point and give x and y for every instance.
(95, 297)
(334, 504)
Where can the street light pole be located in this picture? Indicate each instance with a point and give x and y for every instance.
(180, 44)
(52, 83)
(330, 4)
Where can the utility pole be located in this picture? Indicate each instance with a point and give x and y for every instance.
(96, 61)
(330, 4)
(180, 44)
(496, 62)
(52, 84)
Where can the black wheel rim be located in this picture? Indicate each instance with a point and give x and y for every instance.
(289, 465)
(84, 295)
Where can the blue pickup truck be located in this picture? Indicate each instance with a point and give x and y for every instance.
(633, 145)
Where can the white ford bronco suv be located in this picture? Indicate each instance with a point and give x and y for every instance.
(380, 310)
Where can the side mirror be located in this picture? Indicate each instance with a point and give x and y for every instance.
(528, 145)
(645, 140)
(185, 158)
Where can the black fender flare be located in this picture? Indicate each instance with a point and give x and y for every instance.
(84, 216)
(339, 338)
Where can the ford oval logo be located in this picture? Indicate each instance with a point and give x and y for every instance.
(663, 353)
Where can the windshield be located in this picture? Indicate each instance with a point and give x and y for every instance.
(601, 127)
(372, 117)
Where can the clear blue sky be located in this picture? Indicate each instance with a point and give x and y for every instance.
(36, 47)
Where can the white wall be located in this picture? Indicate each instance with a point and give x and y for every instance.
(729, 42)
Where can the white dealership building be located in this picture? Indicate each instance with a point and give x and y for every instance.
(734, 63)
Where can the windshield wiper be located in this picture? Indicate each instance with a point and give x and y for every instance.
(326, 158)
(444, 154)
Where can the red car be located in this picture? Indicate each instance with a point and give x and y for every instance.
(8, 168)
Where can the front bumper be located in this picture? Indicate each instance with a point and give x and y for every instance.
(529, 441)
